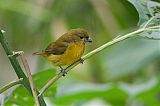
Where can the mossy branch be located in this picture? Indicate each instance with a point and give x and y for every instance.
(17, 68)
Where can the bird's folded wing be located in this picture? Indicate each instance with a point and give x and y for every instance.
(56, 48)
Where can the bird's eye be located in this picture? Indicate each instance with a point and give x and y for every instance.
(81, 37)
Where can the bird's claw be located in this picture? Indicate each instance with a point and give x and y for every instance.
(81, 60)
(64, 72)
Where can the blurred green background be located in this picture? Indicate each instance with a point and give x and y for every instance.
(123, 74)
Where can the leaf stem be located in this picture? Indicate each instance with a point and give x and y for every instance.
(148, 21)
(154, 27)
(11, 84)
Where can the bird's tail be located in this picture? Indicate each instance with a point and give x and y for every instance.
(39, 53)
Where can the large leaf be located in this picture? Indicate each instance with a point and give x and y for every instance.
(21, 97)
(42, 78)
(130, 56)
(150, 97)
(82, 92)
(146, 9)
(133, 54)
(146, 94)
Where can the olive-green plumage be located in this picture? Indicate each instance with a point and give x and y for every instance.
(66, 49)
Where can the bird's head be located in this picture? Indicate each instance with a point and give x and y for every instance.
(80, 34)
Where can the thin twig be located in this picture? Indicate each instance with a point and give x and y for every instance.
(148, 29)
(28, 71)
(154, 27)
(116, 40)
(11, 84)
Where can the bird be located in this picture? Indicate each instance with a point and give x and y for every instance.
(67, 49)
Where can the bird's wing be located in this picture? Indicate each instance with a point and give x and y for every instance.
(56, 48)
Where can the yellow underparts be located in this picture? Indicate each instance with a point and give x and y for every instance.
(72, 54)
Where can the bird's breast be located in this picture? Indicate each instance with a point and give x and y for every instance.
(73, 53)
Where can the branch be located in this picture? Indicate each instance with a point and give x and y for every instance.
(17, 67)
(11, 84)
(14, 61)
(116, 40)
(27, 69)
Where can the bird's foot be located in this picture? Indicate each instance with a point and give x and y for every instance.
(81, 60)
(63, 71)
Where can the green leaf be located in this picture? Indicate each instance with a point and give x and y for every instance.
(21, 97)
(150, 97)
(141, 6)
(153, 35)
(146, 9)
(82, 92)
(146, 93)
(41, 78)
(154, 8)
(129, 56)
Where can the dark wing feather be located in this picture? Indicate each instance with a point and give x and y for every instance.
(56, 48)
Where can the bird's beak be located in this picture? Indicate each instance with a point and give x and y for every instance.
(88, 40)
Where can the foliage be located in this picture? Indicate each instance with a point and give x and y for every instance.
(134, 61)
(23, 96)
